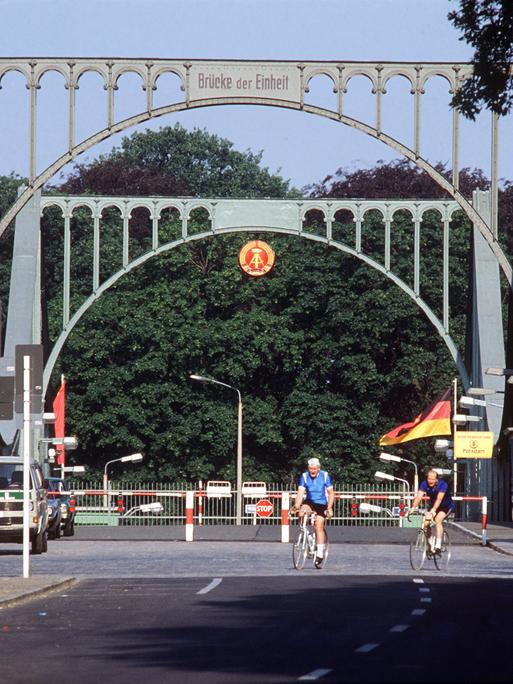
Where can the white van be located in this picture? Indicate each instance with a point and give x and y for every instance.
(11, 504)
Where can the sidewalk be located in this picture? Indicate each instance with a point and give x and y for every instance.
(499, 535)
(16, 590)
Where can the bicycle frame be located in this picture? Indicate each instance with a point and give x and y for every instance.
(305, 545)
(420, 548)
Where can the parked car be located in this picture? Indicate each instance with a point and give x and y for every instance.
(54, 516)
(11, 504)
(58, 489)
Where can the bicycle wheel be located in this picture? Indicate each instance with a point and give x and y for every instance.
(300, 550)
(418, 549)
(442, 561)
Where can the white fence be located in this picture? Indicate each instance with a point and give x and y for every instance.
(215, 504)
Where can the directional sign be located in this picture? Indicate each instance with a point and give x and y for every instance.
(264, 508)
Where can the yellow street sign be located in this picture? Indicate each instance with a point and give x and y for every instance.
(473, 444)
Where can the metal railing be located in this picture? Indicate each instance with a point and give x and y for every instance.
(127, 504)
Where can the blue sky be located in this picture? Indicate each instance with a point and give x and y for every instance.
(304, 147)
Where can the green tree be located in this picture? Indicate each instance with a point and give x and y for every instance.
(486, 25)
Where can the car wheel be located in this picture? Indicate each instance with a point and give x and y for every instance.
(69, 529)
(45, 542)
(37, 543)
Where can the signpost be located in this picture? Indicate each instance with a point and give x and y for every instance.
(264, 508)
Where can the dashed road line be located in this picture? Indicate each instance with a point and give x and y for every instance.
(215, 583)
(418, 611)
(366, 648)
(399, 628)
(314, 674)
(426, 599)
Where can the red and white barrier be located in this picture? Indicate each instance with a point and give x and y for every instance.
(189, 516)
(285, 522)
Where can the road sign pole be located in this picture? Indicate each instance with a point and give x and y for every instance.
(26, 466)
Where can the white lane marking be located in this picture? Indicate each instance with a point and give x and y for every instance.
(215, 583)
(313, 675)
(426, 599)
(399, 628)
(418, 611)
(425, 589)
(366, 648)
(418, 580)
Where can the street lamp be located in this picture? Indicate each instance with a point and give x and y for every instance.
(131, 458)
(392, 457)
(386, 476)
(508, 372)
(201, 378)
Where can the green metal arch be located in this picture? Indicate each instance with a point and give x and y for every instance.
(456, 356)
(422, 163)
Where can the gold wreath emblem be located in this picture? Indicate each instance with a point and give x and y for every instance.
(256, 258)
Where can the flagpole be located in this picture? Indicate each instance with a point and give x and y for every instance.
(454, 459)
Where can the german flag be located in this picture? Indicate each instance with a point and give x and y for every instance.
(434, 421)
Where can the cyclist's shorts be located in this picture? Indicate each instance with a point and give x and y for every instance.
(447, 509)
(320, 509)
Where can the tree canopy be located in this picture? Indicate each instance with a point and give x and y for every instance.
(486, 25)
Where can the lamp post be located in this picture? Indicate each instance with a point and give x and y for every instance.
(386, 476)
(131, 458)
(201, 378)
(392, 457)
(69, 443)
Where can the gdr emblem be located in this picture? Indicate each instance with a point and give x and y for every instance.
(256, 258)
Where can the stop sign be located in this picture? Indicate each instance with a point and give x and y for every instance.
(264, 508)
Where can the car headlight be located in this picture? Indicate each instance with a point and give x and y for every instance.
(64, 508)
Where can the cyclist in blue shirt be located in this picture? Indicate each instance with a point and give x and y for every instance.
(440, 505)
(315, 494)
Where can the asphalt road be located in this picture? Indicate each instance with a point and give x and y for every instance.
(263, 629)
(105, 559)
(238, 612)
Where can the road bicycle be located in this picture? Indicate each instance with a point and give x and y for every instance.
(305, 545)
(420, 547)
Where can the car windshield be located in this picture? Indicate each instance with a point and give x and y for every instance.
(11, 476)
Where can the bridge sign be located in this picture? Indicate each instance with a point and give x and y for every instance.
(264, 508)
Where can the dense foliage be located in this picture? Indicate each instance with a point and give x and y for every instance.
(327, 353)
(486, 25)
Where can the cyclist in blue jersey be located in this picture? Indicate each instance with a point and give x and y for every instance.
(440, 505)
(315, 495)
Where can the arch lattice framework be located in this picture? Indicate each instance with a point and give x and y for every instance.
(206, 83)
(260, 216)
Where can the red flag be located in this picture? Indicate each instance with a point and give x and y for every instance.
(434, 421)
(59, 409)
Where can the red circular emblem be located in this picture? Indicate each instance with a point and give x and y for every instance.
(256, 258)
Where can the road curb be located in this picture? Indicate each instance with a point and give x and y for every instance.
(497, 548)
(39, 592)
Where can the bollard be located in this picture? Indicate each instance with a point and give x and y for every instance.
(354, 508)
(484, 515)
(285, 523)
(200, 503)
(189, 516)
